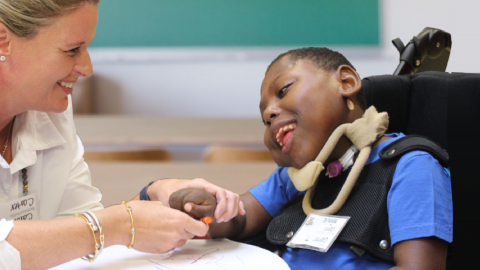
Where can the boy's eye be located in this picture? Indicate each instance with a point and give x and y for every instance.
(281, 93)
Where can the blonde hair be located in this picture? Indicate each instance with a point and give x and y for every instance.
(24, 17)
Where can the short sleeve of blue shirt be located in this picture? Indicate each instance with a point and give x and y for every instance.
(420, 200)
(274, 192)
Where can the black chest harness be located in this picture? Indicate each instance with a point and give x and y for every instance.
(368, 228)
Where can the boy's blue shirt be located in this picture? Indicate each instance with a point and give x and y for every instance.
(419, 204)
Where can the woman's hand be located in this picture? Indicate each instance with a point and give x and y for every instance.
(228, 203)
(159, 228)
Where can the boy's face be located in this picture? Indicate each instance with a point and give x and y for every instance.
(301, 106)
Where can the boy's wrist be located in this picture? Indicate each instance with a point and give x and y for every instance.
(144, 195)
(152, 190)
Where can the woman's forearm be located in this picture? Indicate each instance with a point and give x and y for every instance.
(46, 243)
(158, 229)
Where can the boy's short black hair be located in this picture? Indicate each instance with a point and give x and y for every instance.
(325, 59)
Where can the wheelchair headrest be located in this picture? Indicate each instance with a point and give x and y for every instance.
(421, 103)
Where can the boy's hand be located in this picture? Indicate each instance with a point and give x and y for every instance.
(196, 202)
(228, 206)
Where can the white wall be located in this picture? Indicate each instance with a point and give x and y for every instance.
(226, 82)
(195, 88)
(460, 18)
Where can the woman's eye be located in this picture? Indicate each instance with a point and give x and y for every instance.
(73, 51)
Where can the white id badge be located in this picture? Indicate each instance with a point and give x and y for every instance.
(318, 232)
(23, 208)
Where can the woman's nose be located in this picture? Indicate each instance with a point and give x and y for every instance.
(84, 65)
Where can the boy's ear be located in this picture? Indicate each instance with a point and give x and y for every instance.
(350, 81)
(5, 40)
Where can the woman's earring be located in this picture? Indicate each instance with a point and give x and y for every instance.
(350, 105)
(2, 58)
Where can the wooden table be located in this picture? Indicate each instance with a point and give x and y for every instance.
(156, 131)
(123, 181)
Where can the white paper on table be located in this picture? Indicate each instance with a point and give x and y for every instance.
(219, 254)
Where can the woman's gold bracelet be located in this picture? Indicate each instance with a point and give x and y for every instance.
(129, 209)
(94, 228)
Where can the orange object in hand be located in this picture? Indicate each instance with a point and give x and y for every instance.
(206, 220)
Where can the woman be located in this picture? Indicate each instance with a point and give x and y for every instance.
(42, 53)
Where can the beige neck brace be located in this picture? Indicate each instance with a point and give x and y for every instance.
(363, 132)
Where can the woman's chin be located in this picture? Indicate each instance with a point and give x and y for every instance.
(58, 106)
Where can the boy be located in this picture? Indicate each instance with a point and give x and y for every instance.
(305, 95)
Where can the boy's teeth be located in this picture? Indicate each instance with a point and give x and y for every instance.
(284, 129)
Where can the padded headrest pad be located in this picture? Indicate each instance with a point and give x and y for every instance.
(390, 94)
(416, 104)
(423, 103)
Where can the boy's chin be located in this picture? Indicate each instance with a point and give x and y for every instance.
(288, 162)
(300, 164)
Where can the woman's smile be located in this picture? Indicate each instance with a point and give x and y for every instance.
(67, 87)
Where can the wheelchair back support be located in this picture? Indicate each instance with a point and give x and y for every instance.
(443, 107)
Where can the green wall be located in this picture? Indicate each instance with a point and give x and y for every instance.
(152, 23)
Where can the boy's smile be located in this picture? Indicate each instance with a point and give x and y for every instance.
(301, 105)
(283, 134)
